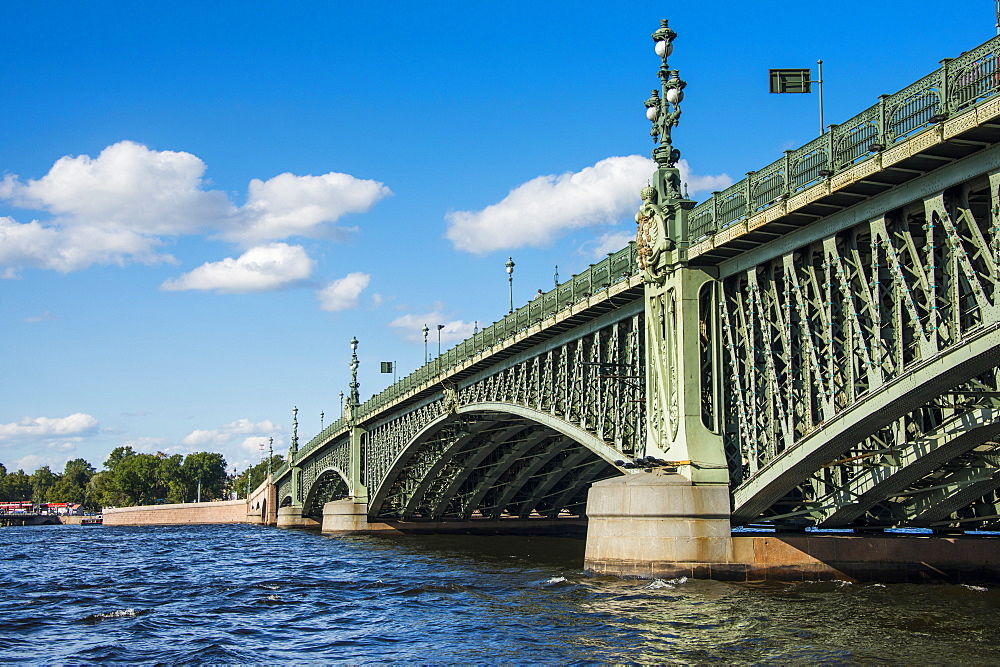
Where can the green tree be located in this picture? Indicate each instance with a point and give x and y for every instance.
(102, 492)
(3, 482)
(172, 478)
(42, 481)
(18, 486)
(208, 468)
(137, 478)
(72, 486)
(117, 455)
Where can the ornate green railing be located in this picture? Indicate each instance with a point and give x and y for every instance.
(612, 269)
(957, 85)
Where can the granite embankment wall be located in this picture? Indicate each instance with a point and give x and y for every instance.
(226, 511)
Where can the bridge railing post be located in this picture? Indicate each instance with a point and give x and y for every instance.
(944, 87)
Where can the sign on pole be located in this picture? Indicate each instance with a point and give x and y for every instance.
(791, 80)
(799, 81)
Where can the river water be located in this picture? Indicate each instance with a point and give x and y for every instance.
(249, 594)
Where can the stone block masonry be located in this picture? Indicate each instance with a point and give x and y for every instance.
(227, 511)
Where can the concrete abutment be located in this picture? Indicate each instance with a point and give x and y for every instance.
(291, 517)
(661, 526)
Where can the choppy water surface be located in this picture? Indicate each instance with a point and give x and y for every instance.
(247, 594)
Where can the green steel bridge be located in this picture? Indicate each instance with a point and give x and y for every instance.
(822, 337)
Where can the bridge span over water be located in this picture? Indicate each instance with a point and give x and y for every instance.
(816, 346)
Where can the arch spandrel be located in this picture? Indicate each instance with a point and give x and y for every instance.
(489, 444)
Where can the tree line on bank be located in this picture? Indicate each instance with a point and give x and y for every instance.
(131, 478)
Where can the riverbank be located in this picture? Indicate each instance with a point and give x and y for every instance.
(215, 512)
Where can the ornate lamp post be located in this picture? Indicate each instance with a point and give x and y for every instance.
(354, 398)
(510, 281)
(425, 330)
(294, 449)
(663, 107)
(660, 228)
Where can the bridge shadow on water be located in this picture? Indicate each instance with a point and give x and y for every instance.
(564, 553)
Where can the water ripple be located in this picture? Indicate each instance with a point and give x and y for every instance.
(246, 594)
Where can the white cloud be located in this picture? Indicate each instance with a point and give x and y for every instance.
(44, 317)
(259, 269)
(537, 212)
(127, 187)
(229, 433)
(289, 205)
(252, 445)
(343, 293)
(148, 445)
(411, 327)
(76, 425)
(119, 208)
(698, 184)
(32, 462)
(607, 242)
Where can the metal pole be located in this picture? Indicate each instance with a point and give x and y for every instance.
(437, 360)
(510, 281)
(822, 125)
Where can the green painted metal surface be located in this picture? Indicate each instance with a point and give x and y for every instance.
(845, 373)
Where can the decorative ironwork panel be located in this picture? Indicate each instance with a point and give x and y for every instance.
(334, 456)
(595, 382)
(814, 333)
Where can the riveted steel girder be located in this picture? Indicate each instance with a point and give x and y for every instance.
(890, 402)
(485, 478)
(432, 475)
(582, 474)
(468, 464)
(896, 468)
(954, 491)
(529, 472)
(845, 355)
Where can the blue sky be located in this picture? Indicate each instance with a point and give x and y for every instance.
(203, 202)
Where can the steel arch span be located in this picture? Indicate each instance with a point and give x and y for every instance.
(534, 417)
(329, 485)
(492, 460)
